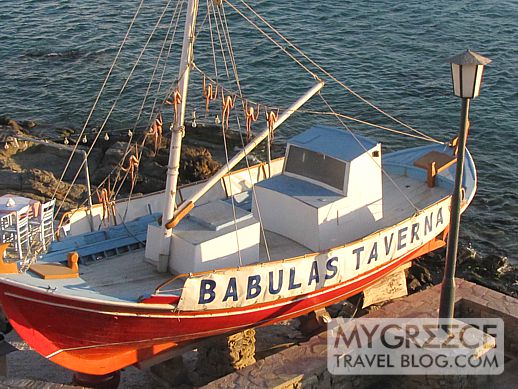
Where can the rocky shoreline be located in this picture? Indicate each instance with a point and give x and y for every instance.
(34, 170)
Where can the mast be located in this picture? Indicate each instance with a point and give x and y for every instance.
(177, 132)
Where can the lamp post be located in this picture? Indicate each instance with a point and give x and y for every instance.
(466, 72)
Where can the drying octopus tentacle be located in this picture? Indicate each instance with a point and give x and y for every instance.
(271, 118)
(228, 104)
(210, 93)
(156, 131)
(132, 168)
(175, 102)
(104, 199)
(251, 116)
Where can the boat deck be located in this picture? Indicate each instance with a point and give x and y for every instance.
(129, 277)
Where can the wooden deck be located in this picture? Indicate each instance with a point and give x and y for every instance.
(130, 274)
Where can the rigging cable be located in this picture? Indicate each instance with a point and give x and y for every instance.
(298, 62)
(179, 9)
(97, 99)
(140, 154)
(351, 118)
(322, 69)
(212, 42)
(226, 153)
(229, 43)
(176, 15)
(371, 157)
(116, 100)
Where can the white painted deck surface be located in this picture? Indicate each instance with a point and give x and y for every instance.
(396, 206)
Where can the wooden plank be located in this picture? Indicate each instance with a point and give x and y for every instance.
(434, 162)
(442, 160)
(49, 271)
(389, 287)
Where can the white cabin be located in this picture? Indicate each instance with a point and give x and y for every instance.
(329, 192)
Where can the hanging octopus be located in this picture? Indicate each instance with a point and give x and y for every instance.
(271, 118)
(104, 199)
(156, 132)
(251, 116)
(132, 168)
(175, 102)
(228, 104)
(210, 93)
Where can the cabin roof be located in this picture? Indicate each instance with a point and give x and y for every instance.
(307, 192)
(335, 142)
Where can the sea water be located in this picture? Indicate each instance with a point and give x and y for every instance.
(55, 55)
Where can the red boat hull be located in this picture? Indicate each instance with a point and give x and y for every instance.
(99, 337)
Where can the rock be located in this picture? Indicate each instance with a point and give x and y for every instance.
(109, 162)
(197, 164)
(28, 124)
(344, 308)
(8, 134)
(15, 125)
(150, 168)
(52, 133)
(421, 274)
(413, 285)
(56, 160)
(147, 184)
(492, 271)
(40, 185)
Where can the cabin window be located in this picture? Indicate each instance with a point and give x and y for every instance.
(316, 166)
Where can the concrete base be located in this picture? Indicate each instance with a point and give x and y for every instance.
(226, 354)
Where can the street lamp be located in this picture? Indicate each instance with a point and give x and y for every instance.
(466, 73)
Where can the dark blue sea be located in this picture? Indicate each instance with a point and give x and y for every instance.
(54, 56)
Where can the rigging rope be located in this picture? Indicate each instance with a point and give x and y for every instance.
(248, 101)
(116, 100)
(179, 7)
(227, 105)
(371, 157)
(351, 118)
(281, 47)
(97, 99)
(212, 41)
(321, 68)
(234, 66)
(129, 145)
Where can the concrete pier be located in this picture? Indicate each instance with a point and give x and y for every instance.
(305, 365)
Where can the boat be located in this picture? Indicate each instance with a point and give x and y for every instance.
(131, 279)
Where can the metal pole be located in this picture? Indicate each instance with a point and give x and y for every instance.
(447, 301)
